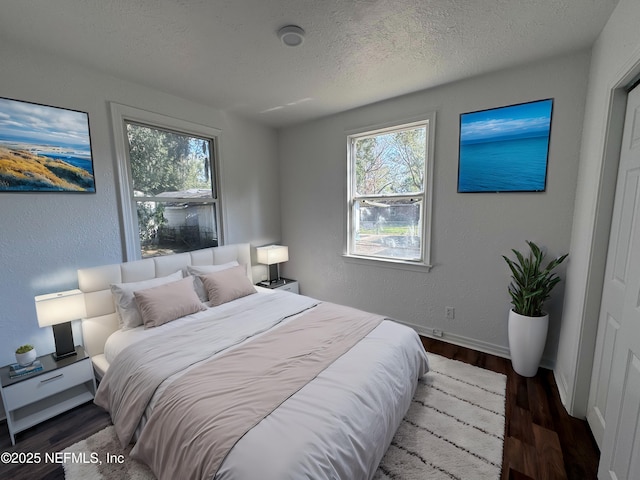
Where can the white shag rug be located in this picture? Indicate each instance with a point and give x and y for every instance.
(454, 429)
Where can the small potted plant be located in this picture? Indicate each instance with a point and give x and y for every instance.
(25, 355)
(530, 287)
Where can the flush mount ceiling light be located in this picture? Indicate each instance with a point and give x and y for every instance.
(291, 35)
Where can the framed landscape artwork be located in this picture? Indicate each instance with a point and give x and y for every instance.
(505, 149)
(44, 149)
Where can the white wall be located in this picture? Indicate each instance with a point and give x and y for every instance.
(45, 237)
(470, 231)
(615, 61)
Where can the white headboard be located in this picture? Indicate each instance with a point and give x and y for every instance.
(95, 282)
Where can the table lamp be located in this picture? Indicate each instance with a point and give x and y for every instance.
(57, 310)
(272, 256)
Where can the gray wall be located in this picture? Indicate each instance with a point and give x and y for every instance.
(470, 231)
(45, 238)
(615, 62)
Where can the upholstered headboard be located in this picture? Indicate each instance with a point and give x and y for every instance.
(95, 282)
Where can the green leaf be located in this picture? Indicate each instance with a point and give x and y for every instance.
(530, 284)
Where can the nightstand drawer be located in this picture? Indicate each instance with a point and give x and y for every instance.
(37, 388)
(289, 287)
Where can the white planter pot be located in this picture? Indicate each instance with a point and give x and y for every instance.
(27, 358)
(527, 338)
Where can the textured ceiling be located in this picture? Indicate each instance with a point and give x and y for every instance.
(225, 53)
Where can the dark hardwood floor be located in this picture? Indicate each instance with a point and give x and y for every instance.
(51, 436)
(541, 440)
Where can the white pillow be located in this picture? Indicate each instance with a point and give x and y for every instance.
(128, 313)
(197, 270)
(164, 303)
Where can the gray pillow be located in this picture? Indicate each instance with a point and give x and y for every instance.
(128, 313)
(227, 285)
(159, 305)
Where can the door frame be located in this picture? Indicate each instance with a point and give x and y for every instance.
(578, 400)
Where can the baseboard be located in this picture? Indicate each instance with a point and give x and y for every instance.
(561, 383)
(467, 342)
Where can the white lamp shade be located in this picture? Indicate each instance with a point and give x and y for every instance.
(55, 308)
(272, 254)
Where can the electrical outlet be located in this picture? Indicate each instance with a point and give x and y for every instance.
(450, 313)
(437, 333)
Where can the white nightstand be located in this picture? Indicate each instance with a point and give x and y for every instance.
(58, 387)
(284, 284)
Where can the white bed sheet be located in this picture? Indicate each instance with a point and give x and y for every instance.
(336, 427)
(121, 339)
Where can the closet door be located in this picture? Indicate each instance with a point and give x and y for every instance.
(614, 400)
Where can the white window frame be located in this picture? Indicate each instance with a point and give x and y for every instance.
(120, 115)
(426, 196)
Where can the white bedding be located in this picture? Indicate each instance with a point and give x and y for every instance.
(121, 339)
(336, 427)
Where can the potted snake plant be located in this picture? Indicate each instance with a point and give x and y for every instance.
(531, 285)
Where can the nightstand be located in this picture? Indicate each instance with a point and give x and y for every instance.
(284, 284)
(58, 387)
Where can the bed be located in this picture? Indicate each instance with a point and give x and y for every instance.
(313, 390)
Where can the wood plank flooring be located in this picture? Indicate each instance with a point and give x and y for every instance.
(541, 440)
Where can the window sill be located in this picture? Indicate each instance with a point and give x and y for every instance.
(387, 263)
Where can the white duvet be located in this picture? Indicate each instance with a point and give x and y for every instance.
(336, 427)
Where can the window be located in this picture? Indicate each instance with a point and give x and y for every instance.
(390, 193)
(169, 183)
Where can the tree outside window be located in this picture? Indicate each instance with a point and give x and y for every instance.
(387, 192)
(173, 187)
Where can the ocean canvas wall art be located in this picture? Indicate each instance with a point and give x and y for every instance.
(44, 149)
(505, 149)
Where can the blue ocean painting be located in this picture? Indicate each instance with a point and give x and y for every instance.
(505, 149)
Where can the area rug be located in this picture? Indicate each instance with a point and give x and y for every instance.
(454, 429)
